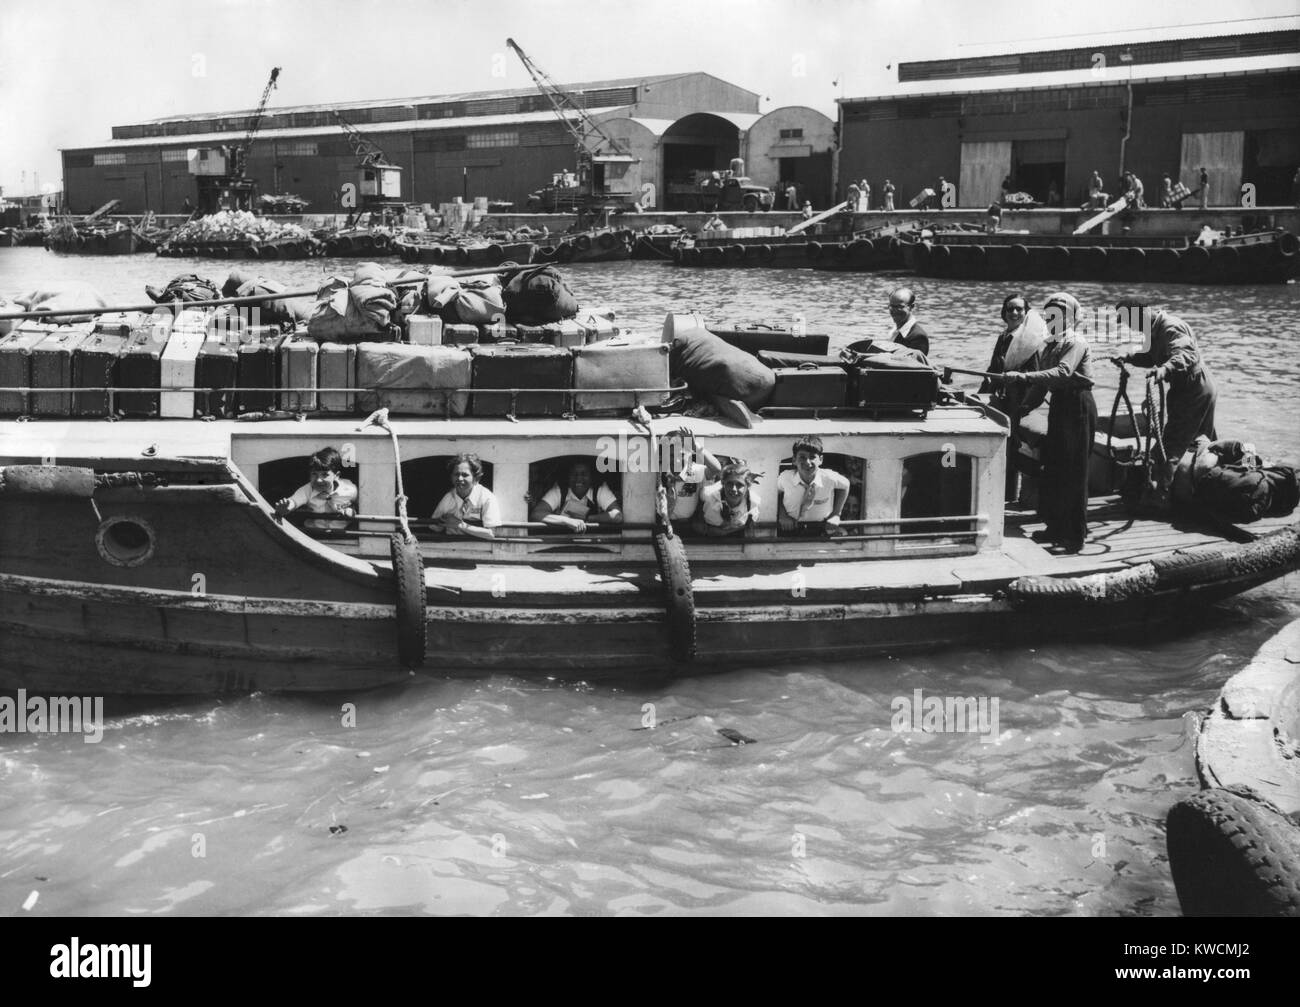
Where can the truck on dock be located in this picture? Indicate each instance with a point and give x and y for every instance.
(720, 190)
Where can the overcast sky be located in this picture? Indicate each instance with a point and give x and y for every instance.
(72, 69)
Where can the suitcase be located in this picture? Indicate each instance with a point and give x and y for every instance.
(885, 389)
(568, 334)
(780, 339)
(95, 365)
(178, 368)
(809, 385)
(420, 380)
(424, 330)
(619, 364)
(537, 333)
(498, 332)
(598, 327)
(120, 323)
(459, 335)
(337, 368)
(227, 327)
(518, 366)
(52, 368)
(259, 360)
(217, 366)
(298, 361)
(140, 366)
(16, 366)
(776, 359)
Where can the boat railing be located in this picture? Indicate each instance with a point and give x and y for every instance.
(295, 394)
(951, 526)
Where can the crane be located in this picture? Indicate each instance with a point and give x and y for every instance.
(379, 181)
(606, 170)
(221, 172)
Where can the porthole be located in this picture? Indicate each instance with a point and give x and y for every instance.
(125, 541)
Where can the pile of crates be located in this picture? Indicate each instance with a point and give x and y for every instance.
(211, 363)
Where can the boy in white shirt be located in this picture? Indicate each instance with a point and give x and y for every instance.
(809, 494)
(579, 503)
(327, 493)
(469, 508)
(730, 505)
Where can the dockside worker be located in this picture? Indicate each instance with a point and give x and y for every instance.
(469, 507)
(1174, 357)
(579, 502)
(888, 190)
(853, 196)
(1066, 374)
(1017, 349)
(864, 188)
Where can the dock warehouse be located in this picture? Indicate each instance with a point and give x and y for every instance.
(501, 144)
(1226, 103)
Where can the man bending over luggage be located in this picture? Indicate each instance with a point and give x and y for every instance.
(327, 493)
(579, 502)
(811, 497)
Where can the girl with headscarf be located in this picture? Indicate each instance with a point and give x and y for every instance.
(1017, 349)
(1065, 370)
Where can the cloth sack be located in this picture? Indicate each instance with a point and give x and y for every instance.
(56, 296)
(350, 311)
(185, 288)
(711, 366)
(538, 296)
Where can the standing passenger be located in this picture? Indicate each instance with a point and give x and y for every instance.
(907, 330)
(1174, 357)
(1017, 349)
(1071, 423)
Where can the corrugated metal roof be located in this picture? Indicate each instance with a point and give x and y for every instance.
(1110, 76)
(1105, 40)
(343, 106)
(409, 125)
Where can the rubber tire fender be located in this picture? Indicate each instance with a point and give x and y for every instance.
(862, 248)
(583, 242)
(736, 253)
(495, 254)
(814, 250)
(766, 253)
(1231, 853)
(679, 595)
(408, 572)
(565, 252)
(607, 240)
(1288, 244)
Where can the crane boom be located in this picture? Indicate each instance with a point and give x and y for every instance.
(365, 148)
(564, 105)
(241, 154)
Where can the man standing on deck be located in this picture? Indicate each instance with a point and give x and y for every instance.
(907, 330)
(1175, 358)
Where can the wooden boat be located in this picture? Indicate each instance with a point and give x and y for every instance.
(28, 237)
(1234, 848)
(147, 559)
(71, 241)
(1262, 257)
(656, 243)
(464, 253)
(598, 244)
(365, 243)
(265, 250)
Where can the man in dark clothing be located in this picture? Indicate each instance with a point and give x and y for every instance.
(907, 330)
(1174, 357)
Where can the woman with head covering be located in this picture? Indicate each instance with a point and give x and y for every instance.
(1066, 372)
(1017, 349)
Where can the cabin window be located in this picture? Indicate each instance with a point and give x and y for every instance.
(427, 480)
(283, 477)
(849, 466)
(552, 474)
(939, 484)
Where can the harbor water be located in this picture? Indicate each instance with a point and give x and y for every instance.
(501, 795)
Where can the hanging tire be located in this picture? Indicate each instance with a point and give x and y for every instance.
(679, 595)
(607, 240)
(714, 256)
(583, 242)
(495, 255)
(695, 256)
(460, 256)
(840, 252)
(736, 254)
(863, 248)
(766, 254)
(814, 250)
(545, 253)
(1018, 257)
(382, 244)
(1288, 244)
(565, 252)
(408, 572)
(1233, 855)
(270, 252)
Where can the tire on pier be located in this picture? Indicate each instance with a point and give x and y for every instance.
(679, 595)
(408, 572)
(1232, 853)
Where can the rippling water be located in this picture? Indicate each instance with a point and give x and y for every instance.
(502, 795)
